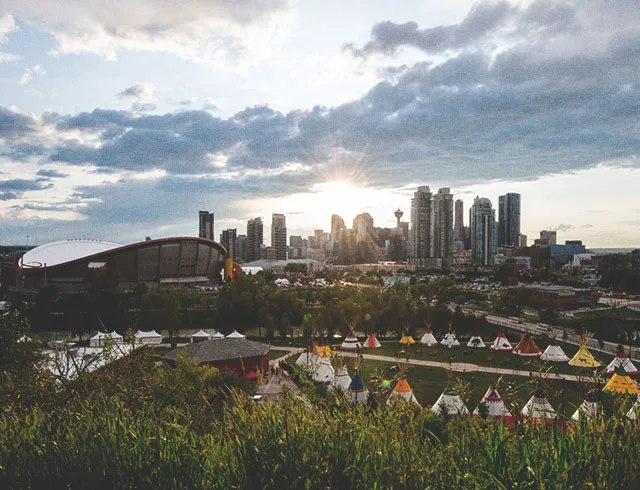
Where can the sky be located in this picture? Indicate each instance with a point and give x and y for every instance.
(122, 120)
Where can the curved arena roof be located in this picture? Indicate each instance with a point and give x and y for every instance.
(56, 253)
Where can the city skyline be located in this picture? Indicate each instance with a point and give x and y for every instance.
(114, 128)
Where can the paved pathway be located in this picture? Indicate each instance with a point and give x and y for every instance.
(456, 366)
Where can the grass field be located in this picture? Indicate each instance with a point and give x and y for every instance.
(276, 353)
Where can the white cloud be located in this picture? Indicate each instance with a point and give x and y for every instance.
(139, 91)
(29, 73)
(7, 25)
(6, 57)
(214, 31)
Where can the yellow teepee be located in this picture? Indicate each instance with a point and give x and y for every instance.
(407, 340)
(583, 357)
(323, 350)
(620, 382)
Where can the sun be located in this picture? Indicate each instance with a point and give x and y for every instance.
(340, 197)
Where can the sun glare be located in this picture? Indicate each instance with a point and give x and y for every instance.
(341, 197)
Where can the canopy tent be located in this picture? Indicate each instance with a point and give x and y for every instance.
(407, 340)
(449, 403)
(372, 342)
(323, 373)
(538, 407)
(622, 361)
(357, 392)
(236, 335)
(350, 342)
(151, 337)
(402, 391)
(323, 350)
(492, 404)
(554, 353)
(621, 383)
(450, 340)
(634, 411)
(588, 409)
(342, 380)
(501, 343)
(476, 342)
(99, 339)
(218, 335)
(116, 336)
(584, 358)
(199, 336)
(428, 338)
(527, 347)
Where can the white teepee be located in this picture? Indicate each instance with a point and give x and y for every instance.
(449, 403)
(493, 404)
(622, 360)
(428, 339)
(323, 373)
(634, 411)
(342, 380)
(350, 342)
(501, 343)
(357, 392)
(402, 391)
(587, 410)
(450, 340)
(476, 341)
(554, 353)
(538, 407)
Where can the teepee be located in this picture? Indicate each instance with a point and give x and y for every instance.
(622, 360)
(402, 391)
(527, 347)
(583, 357)
(322, 350)
(476, 342)
(407, 339)
(634, 411)
(323, 373)
(493, 404)
(342, 380)
(372, 342)
(357, 392)
(449, 403)
(554, 353)
(621, 383)
(501, 343)
(588, 409)
(450, 340)
(308, 358)
(428, 339)
(350, 342)
(538, 407)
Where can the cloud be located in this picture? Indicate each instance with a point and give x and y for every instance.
(143, 107)
(210, 30)
(561, 227)
(7, 25)
(18, 186)
(29, 73)
(15, 124)
(49, 173)
(139, 91)
(8, 57)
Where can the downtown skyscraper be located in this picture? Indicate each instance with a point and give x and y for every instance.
(484, 234)
(458, 225)
(509, 220)
(205, 225)
(442, 241)
(421, 227)
(254, 239)
(279, 235)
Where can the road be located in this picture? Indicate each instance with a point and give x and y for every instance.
(460, 367)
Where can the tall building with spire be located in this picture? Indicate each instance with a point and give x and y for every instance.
(421, 224)
(443, 226)
(255, 239)
(509, 220)
(484, 233)
(279, 235)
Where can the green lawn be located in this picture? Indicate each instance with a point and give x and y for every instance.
(276, 353)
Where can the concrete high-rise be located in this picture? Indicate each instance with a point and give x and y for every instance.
(458, 225)
(509, 220)
(229, 240)
(442, 241)
(550, 236)
(205, 228)
(242, 248)
(421, 224)
(279, 235)
(254, 239)
(484, 235)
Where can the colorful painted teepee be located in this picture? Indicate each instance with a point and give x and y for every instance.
(621, 383)
(476, 342)
(323, 372)
(372, 342)
(357, 392)
(342, 380)
(588, 409)
(634, 411)
(622, 360)
(428, 338)
(322, 350)
(449, 403)
(402, 391)
(450, 340)
(583, 357)
(407, 339)
(350, 342)
(527, 347)
(492, 405)
(538, 407)
(501, 343)
(554, 353)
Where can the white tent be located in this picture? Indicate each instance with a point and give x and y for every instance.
(199, 336)
(402, 391)
(342, 380)
(623, 361)
(493, 404)
(151, 337)
(218, 335)
(323, 374)
(476, 341)
(100, 339)
(116, 336)
(634, 411)
(587, 410)
(554, 353)
(236, 335)
(450, 340)
(449, 403)
(350, 342)
(428, 339)
(538, 407)
(282, 282)
(501, 343)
